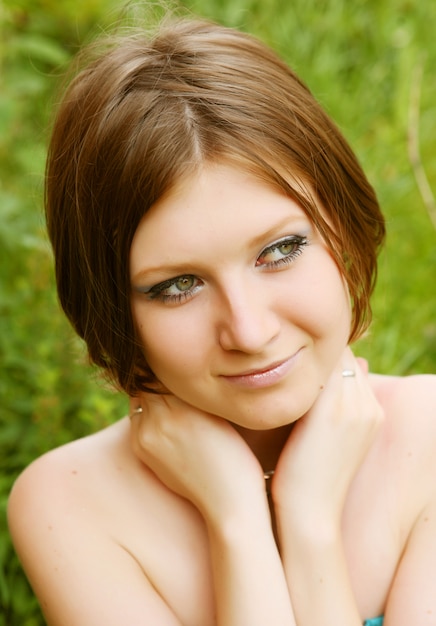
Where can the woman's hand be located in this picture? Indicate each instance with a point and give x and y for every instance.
(327, 446)
(197, 455)
(204, 459)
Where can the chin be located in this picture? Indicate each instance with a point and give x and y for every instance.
(273, 414)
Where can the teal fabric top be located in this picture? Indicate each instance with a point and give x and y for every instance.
(377, 621)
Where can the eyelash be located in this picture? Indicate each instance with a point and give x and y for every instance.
(157, 292)
(297, 242)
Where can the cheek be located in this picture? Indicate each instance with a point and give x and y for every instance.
(334, 299)
(325, 303)
(171, 343)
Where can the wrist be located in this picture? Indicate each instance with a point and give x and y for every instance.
(236, 524)
(310, 524)
(241, 500)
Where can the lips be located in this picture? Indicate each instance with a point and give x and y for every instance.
(260, 370)
(263, 377)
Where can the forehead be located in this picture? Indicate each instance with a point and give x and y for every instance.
(233, 175)
(216, 206)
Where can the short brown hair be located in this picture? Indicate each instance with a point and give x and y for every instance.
(147, 111)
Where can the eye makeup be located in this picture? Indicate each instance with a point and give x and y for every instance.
(276, 256)
(282, 252)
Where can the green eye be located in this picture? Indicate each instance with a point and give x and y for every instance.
(175, 290)
(286, 248)
(282, 253)
(184, 283)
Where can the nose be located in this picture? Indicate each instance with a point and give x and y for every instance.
(247, 321)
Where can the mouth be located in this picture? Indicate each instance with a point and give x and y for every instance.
(265, 376)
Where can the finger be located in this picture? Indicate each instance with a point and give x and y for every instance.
(352, 367)
(363, 364)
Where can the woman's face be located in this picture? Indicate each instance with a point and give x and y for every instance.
(239, 305)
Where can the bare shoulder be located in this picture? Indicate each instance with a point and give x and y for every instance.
(409, 398)
(409, 433)
(56, 468)
(72, 514)
(58, 483)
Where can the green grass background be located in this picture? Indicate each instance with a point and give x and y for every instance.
(372, 65)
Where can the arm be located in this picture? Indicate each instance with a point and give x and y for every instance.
(412, 599)
(314, 473)
(317, 574)
(250, 588)
(204, 459)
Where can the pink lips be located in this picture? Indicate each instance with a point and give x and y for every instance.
(256, 379)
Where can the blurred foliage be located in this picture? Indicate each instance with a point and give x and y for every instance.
(48, 394)
(360, 58)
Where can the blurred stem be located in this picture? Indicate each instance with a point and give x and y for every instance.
(413, 144)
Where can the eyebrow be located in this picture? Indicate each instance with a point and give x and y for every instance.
(185, 268)
(178, 269)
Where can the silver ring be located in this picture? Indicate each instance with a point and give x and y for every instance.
(136, 411)
(348, 373)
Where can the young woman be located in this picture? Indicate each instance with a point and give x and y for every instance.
(215, 242)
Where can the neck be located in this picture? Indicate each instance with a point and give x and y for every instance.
(267, 445)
